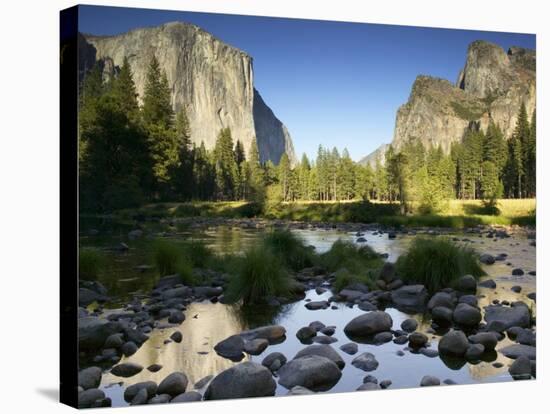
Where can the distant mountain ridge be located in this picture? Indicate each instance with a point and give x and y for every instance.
(212, 80)
(492, 85)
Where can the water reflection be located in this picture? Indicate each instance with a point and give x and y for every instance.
(206, 324)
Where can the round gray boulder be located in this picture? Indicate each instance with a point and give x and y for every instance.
(314, 372)
(244, 380)
(369, 324)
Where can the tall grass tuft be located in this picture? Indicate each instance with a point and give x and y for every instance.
(259, 274)
(90, 264)
(170, 259)
(197, 253)
(437, 263)
(352, 264)
(289, 248)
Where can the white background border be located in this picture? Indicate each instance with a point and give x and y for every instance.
(29, 160)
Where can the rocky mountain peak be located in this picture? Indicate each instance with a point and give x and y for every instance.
(211, 80)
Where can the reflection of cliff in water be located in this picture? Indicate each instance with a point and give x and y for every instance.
(194, 355)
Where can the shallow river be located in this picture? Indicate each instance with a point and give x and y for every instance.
(206, 324)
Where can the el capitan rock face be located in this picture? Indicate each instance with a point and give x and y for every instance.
(213, 81)
(492, 85)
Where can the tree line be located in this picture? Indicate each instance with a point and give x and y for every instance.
(130, 154)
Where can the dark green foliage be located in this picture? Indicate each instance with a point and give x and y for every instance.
(289, 249)
(356, 259)
(170, 259)
(227, 173)
(437, 263)
(259, 274)
(90, 264)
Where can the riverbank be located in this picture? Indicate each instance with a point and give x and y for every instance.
(166, 333)
(458, 214)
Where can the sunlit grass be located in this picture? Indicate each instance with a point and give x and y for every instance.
(289, 248)
(437, 263)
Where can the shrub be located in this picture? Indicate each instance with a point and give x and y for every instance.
(345, 254)
(344, 278)
(90, 264)
(437, 263)
(352, 264)
(170, 259)
(197, 253)
(259, 274)
(289, 248)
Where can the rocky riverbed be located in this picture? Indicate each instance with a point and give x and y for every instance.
(160, 341)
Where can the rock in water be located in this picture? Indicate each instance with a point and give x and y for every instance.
(126, 369)
(203, 72)
(89, 377)
(322, 350)
(410, 298)
(133, 390)
(507, 317)
(231, 347)
(453, 343)
(244, 380)
(366, 361)
(174, 384)
(369, 324)
(314, 372)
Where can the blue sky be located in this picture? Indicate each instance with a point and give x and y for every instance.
(332, 83)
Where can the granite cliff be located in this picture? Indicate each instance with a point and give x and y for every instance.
(492, 86)
(212, 81)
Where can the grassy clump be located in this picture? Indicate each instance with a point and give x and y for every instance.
(258, 275)
(170, 259)
(289, 248)
(197, 253)
(90, 264)
(437, 263)
(352, 264)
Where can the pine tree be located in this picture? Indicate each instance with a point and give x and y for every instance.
(472, 157)
(227, 175)
(124, 90)
(284, 176)
(304, 178)
(346, 176)
(531, 159)
(257, 178)
(157, 107)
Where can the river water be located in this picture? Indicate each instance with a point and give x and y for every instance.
(206, 323)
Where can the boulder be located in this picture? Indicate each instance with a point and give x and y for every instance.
(466, 315)
(189, 396)
(350, 295)
(274, 361)
(244, 380)
(519, 350)
(131, 391)
(89, 398)
(487, 259)
(114, 341)
(314, 372)
(520, 368)
(207, 291)
(366, 361)
(517, 315)
(322, 350)
(409, 325)
(305, 333)
(474, 352)
(368, 386)
(468, 299)
(88, 296)
(387, 273)
(442, 299)
(442, 316)
(466, 284)
(323, 339)
(231, 347)
(489, 283)
(273, 333)
(417, 340)
(93, 332)
(176, 336)
(369, 324)
(453, 343)
(487, 339)
(317, 305)
(410, 298)
(160, 399)
(129, 348)
(126, 369)
(256, 346)
(140, 398)
(182, 292)
(350, 348)
(429, 381)
(174, 384)
(203, 382)
(89, 377)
